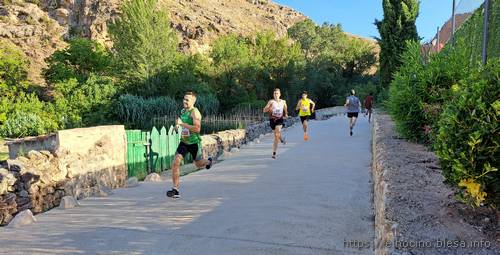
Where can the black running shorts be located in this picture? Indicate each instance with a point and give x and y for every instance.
(276, 122)
(352, 114)
(193, 149)
(304, 118)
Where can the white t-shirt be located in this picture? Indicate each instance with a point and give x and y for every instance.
(277, 108)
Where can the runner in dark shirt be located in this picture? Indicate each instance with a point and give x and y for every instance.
(368, 106)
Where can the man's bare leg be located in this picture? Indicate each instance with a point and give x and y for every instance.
(304, 126)
(176, 164)
(277, 139)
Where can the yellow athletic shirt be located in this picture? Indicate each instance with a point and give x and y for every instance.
(305, 107)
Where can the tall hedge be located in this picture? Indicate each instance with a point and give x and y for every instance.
(468, 141)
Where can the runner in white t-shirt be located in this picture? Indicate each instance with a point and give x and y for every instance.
(278, 111)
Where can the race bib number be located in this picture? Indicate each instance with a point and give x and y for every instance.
(278, 112)
(305, 108)
(185, 132)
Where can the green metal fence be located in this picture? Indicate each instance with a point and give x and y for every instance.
(151, 151)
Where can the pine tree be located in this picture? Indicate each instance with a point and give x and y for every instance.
(397, 27)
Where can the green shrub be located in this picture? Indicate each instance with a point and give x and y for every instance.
(138, 112)
(13, 69)
(468, 142)
(85, 104)
(406, 92)
(21, 124)
(82, 58)
(208, 104)
(419, 90)
(26, 115)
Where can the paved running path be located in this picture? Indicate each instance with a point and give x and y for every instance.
(313, 197)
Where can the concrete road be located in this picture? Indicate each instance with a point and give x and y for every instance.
(316, 198)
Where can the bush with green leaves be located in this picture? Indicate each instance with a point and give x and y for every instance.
(468, 143)
(208, 104)
(87, 103)
(405, 95)
(136, 111)
(28, 116)
(13, 69)
(21, 124)
(21, 113)
(419, 90)
(82, 58)
(13, 76)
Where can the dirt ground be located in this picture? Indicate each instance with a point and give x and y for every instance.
(425, 209)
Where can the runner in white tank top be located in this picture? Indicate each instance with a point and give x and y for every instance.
(278, 111)
(277, 108)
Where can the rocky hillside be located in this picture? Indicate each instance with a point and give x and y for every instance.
(199, 22)
(40, 29)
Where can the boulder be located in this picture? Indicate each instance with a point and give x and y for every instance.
(35, 155)
(132, 182)
(68, 202)
(153, 177)
(15, 165)
(22, 219)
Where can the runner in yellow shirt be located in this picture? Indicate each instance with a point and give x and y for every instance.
(305, 106)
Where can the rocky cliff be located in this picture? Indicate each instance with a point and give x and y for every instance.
(40, 29)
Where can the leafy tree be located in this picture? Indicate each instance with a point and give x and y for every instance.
(358, 57)
(230, 55)
(335, 62)
(305, 33)
(79, 60)
(13, 70)
(144, 43)
(397, 27)
(278, 60)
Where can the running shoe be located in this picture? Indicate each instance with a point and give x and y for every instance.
(173, 193)
(211, 163)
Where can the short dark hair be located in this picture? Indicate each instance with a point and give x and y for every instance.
(304, 92)
(190, 93)
(371, 93)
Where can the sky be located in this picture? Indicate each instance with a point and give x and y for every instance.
(357, 16)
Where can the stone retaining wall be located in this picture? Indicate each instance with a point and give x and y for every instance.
(383, 226)
(38, 143)
(214, 145)
(84, 162)
(326, 113)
